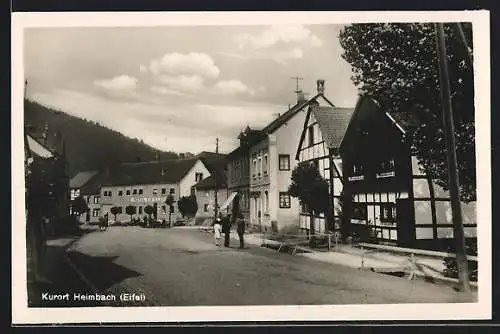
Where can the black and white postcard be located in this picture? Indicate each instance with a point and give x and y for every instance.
(246, 166)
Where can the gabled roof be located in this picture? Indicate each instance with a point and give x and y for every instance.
(37, 148)
(216, 164)
(333, 123)
(209, 183)
(81, 179)
(151, 172)
(274, 125)
(93, 186)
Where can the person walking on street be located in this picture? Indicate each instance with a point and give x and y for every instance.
(217, 229)
(226, 229)
(240, 228)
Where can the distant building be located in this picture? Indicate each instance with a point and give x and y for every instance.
(271, 165)
(392, 198)
(88, 186)
(142, 184)
(238, 169)
(205, 189)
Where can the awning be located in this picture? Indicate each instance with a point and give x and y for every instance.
(229, 200)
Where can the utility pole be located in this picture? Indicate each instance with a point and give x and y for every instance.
(216, 205)
(453, 180)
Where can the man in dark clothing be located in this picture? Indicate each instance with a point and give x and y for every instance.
(226, 229)
(240, 228)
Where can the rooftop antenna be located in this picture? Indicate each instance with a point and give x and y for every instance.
(298, 89)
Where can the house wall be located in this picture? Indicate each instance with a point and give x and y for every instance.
(94, 205)
(238, 179)
(315, 150)
(152, 194)
(189, 179)
(392, 197)
(287, 136)
(259, 185)
(206, 201)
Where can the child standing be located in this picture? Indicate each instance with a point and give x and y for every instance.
(217, 230)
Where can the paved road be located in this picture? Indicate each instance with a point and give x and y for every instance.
(182, 267)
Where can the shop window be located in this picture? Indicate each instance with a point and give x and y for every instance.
(388, 213)
(359, 211)
(445, 232)
(421, 188)
(423, 213)
(424, 233)
(284, 200)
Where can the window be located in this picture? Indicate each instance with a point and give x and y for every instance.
(259, 166)
(311, 135)
(357, 168)
(198, 177)
(95, 213)
(140, 191)
(110, 193)
(254, 169)
(359, 211)
(163, 191)
(128, 192)
(96, 199)
(205, 208)
(88, 199)
(120, 193)
(172, 191)
(155, 191)
(171, 209)
(284, 200)
(265, 164)
(140, 209)
(266, 202)
(164, 208)
(284, 162)
(388, 212)
(134, 192)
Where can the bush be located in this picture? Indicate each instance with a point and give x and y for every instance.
(451, 269)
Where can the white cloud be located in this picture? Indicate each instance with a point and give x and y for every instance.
(122, 83)
(232, 87)
(166, 91)
(193, 63)
(143, 69)
(273, 35)
(183, 83)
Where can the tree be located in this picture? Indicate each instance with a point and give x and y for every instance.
(397, 65)
(130, 210)
(188, 206)
(311, 189)
(149, 210)
(79, 206)
(170, 202)
(115, 210)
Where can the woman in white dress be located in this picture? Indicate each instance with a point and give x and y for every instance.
(217, 229)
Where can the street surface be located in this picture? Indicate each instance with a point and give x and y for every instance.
(182, 267)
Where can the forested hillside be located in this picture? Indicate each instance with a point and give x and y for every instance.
(89, 146)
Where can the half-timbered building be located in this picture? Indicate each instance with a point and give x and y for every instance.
(322, 132)
(393, 201)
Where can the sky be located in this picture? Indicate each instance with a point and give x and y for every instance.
(179, 88)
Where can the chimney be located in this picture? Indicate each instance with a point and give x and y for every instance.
(301, 97)
(320, 86)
